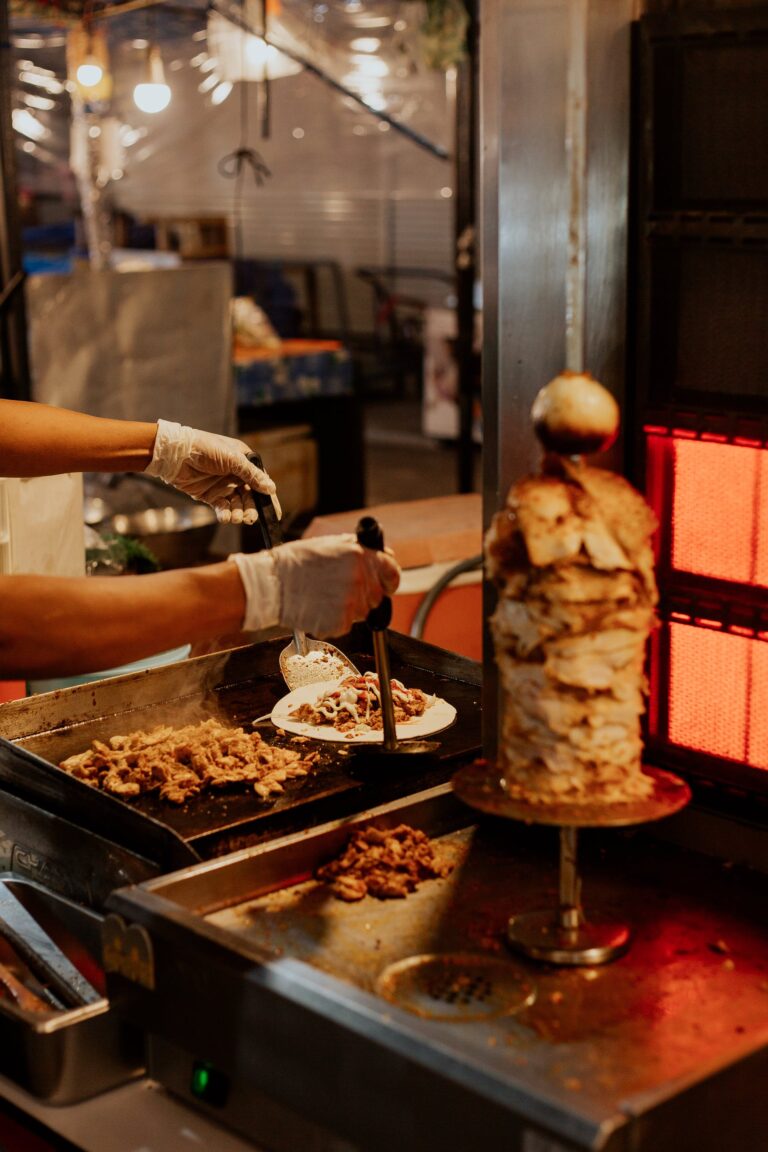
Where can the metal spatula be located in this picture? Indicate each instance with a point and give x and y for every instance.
(303, 661)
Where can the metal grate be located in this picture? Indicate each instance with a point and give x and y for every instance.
(456, 986)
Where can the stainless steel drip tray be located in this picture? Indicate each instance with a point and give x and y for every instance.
(290, 1001)
(63, 1055)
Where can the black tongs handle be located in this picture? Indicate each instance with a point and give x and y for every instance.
(370, 535)
(268, 522)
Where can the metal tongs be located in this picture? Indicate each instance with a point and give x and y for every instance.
(370, 535)
(41, 954)
(301, 644)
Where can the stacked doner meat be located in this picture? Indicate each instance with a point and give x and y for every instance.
(571, 557)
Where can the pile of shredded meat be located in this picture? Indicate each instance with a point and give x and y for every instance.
(384, 862)
(355, 704)
(181, 762)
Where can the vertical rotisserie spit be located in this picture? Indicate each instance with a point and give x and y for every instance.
(571, 557)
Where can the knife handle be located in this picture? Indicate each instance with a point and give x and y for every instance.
(370, 535)
(268, 522)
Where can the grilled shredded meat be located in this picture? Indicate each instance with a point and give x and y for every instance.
(384, 862)
(355, 704)
(179, 763)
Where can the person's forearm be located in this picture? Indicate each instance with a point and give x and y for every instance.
(38, 440)
(53, 625)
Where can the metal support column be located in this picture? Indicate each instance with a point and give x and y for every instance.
(465, 242)
(14, 365)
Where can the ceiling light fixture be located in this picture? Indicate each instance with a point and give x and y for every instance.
(89, 73)
(220, 92)
(365, 44)
(43, 103)
(25, 123)
(33, 40)
(47, 83)
(243, 56)
(24, 65)
(370, 65)
(366, 21)
(153, 95)
(88, 63)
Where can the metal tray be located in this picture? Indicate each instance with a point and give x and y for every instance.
(237, 687)
(627, 1056)
(66, 1056)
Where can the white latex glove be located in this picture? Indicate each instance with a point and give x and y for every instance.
(320, 586)
(211, 468)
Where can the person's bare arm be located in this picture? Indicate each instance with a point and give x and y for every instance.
(39, 440)
(52, 625)
(56, 625)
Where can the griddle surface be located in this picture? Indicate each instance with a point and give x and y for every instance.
(692, 989)
(214, 823)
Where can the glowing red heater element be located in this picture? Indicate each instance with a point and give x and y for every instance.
(712, 498)
(718, 694)
(716, 528)
(708, 690)
(761, 518)
(758, 706)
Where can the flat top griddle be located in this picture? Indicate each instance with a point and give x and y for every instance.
(663, 1047)
(236, 688)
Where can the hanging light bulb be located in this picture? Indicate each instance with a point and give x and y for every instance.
(89, 73)
(88, 63)
(153, 95)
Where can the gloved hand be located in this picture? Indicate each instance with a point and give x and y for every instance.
(211, 468)
(321, 586)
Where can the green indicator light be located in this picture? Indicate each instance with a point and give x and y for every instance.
(209, 1083)
(200, 1080)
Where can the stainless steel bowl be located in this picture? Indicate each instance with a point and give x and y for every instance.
(178, 536)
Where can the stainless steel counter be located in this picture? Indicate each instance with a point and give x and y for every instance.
(138, 1117)
(667, 1045)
